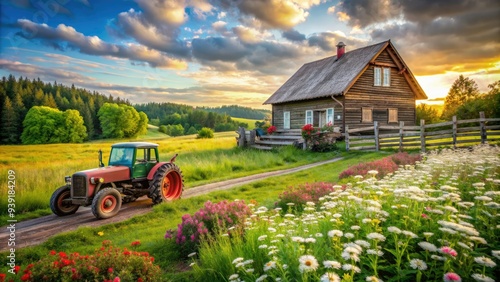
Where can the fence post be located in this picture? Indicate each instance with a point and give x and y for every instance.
(346, 134)
(454, 134)
(482, 121)
(422, 135)
(252, 137)
(401, 125)
(241, 139)
(377, 141)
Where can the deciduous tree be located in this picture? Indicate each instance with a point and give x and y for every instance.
(463, 89)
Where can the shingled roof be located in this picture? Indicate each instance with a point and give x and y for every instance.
(332, 77)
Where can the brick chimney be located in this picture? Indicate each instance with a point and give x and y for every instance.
(340, 50)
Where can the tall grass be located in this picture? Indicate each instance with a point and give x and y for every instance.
(40, 169)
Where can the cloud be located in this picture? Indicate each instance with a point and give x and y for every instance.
(366, 12)
(432, 36)
(159, 37)
(293, 35)
(327, 41)
(250, 35)
(331, 10)
(218, 48)
(281, 14)
(64, 37)
(48, 74)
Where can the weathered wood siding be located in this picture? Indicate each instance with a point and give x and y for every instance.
(364, 94)
(298, 111)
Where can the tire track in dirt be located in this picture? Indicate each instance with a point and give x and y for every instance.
(35, 231)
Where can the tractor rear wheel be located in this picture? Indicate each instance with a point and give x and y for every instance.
(167, 184)
(106, 203)
(58, 205)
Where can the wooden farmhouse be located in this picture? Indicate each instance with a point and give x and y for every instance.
(353, 88)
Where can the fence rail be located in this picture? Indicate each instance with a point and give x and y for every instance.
(454, 133)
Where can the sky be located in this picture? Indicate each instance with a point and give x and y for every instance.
(238, 52)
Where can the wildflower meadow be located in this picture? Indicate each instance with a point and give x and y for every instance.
(436, 220)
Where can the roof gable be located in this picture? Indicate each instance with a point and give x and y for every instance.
(332, 77)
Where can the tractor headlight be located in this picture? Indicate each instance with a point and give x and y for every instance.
(95, 180)
(67, 179)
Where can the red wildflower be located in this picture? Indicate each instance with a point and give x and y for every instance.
(17, 268)
(3, 275)
(425, 216)
(117, 279)
(139, 279)
(66, 262)
(110, 270)
(53, 253)
(62, 254)
(127, 253)
(136, 243)
(25, 277)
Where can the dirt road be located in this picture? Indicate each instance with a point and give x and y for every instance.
(35, 231)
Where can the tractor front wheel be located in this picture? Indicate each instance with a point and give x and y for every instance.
(59, 203)
(106, 203)
(167, 184)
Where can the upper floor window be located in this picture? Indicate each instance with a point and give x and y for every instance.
(382, 76)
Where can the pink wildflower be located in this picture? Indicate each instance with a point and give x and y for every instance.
(450, 276)
(449, 251)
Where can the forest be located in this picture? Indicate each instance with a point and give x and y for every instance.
(176, 119)
(72, 114)
(18, 96)
(239, 111)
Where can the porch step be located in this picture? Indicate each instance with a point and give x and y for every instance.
(281, 137)
(275, 143)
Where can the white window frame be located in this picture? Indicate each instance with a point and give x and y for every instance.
(309, 117)
(377, 76)
(386, 78)
(381, 76)
(286, 120)
(330, 115)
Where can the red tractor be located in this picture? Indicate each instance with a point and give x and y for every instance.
(134, 170)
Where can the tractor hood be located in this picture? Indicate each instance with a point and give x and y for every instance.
(108, 173)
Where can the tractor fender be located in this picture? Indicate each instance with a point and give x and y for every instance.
(151, 173)
(99, 187)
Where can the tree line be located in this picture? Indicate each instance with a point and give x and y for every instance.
(464, 101)
(35, 112)
(176, 119)
(239, 111)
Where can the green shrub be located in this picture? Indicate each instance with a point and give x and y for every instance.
(205, 132)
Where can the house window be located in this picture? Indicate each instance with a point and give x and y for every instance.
(393, 115)
(329, 115)
(381, 76)
(366, 114)
(309, 117)
(286, 120)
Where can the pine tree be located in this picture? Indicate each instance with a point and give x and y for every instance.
(9, 133)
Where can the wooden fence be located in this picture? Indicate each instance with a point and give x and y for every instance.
(455, 133)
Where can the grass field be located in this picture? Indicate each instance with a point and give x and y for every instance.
(250, 122)
(150, 228)
(40, 169)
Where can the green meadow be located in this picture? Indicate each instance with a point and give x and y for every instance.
(40, 169)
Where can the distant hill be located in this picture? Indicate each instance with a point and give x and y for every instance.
(239, 112)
